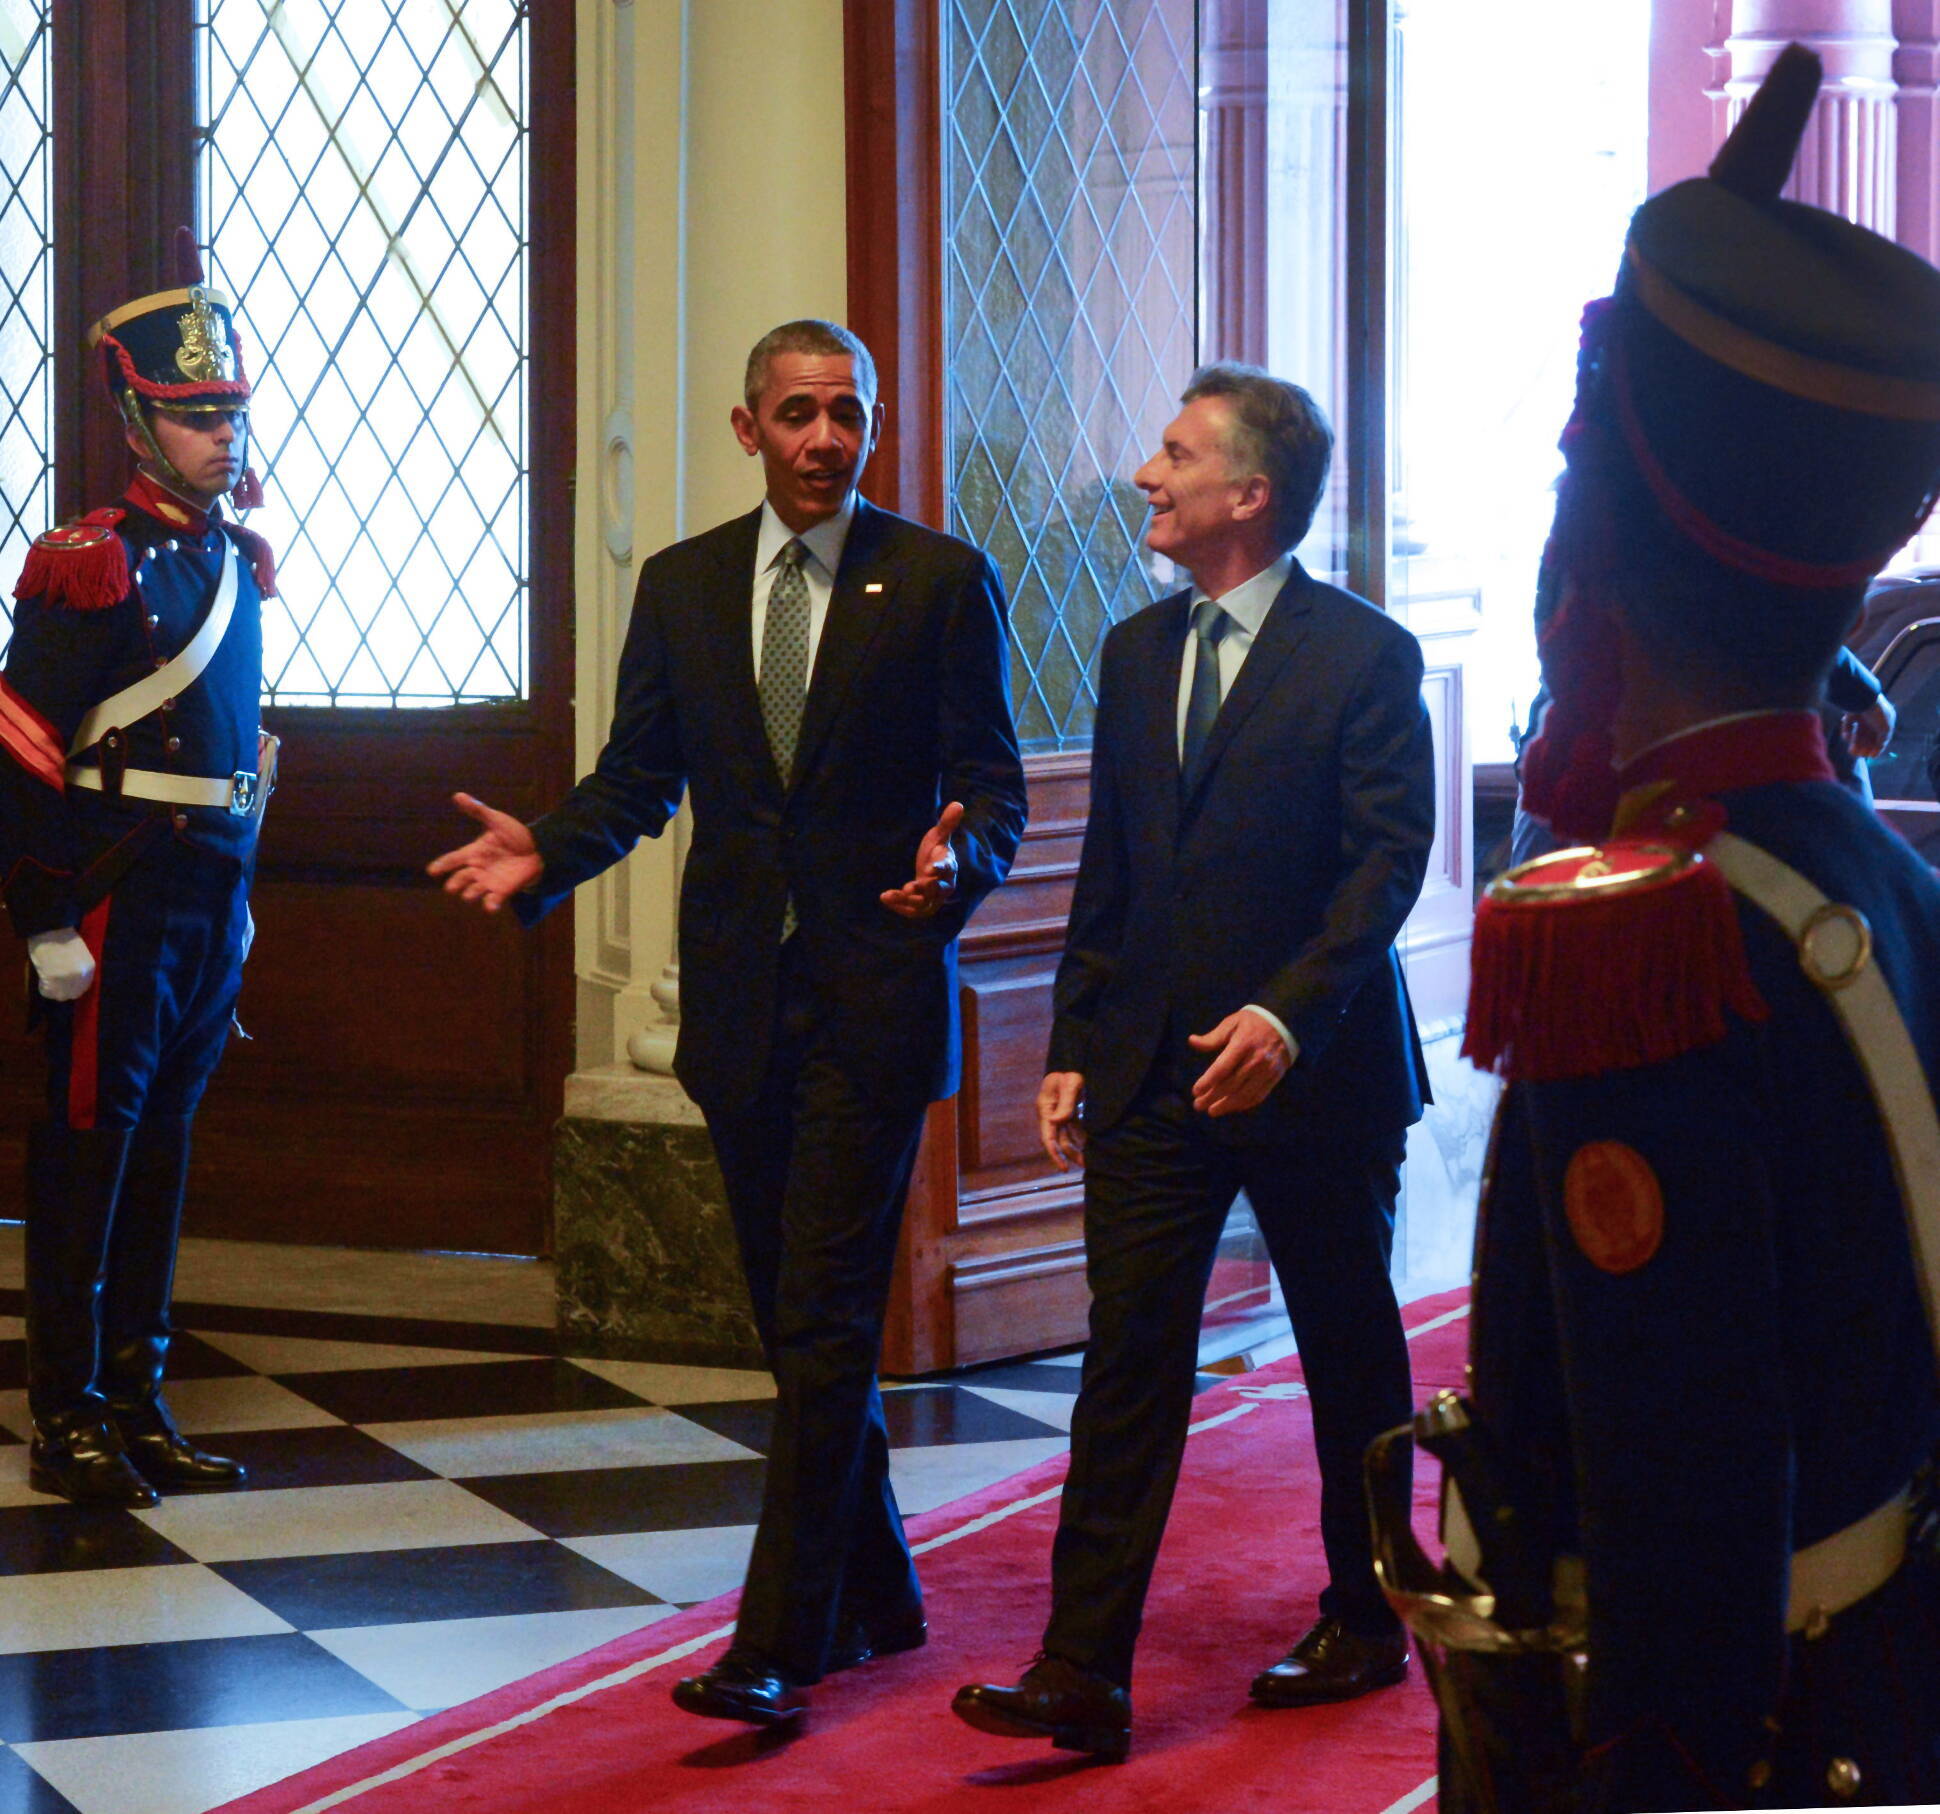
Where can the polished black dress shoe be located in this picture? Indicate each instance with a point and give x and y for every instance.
(164, 1455)
(1332, 1663)
(741, 1686)
(1075, 1709)
(84, 1463)
(859, 1641)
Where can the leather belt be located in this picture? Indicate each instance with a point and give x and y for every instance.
(1840, 1570)
(234, 793)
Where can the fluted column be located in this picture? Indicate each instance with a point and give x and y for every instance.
(1849, 160)
(697, 233)
(1233, 75)
(1916, 71)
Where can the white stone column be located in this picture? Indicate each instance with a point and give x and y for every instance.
(1849, 159)
(711, 207)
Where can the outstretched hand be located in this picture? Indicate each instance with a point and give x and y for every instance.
(500, 862)
(935, 880)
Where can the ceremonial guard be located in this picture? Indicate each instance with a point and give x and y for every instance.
(1691, 1535)
(133, 794)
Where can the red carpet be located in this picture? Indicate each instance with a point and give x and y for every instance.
(1236, 1582)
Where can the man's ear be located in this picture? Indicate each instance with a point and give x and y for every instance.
(1255, 498)
(741, 419)
(136, 445)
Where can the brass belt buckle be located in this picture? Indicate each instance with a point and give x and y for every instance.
(242, 792)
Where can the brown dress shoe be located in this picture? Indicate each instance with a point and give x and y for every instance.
(741, 1686)
(1332, 1663)
(1075, 1709)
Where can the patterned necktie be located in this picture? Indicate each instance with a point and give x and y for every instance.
(1209, 623)
(784, 659)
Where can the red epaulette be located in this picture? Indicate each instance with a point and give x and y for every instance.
(1608, 957)
(256, 550)
(82, 565)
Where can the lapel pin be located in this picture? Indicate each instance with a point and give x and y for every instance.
(875, 585)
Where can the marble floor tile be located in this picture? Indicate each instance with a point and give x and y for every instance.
(686, 1566)
(14, 1489)
(500, 1388)
(328, 1520)
(54, 1535)
(469, 1581)
(305, 1354)
(597, 1502)
(928, 1477)
(72, 1610)
(668, 1385)
(23, 1790)
(211, 1406)
(1053, 1408)
(189, 1772)
(548, 1442)
(328, 1455)
(432, 1666)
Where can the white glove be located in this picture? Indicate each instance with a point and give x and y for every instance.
(249, 934)
(63, 963)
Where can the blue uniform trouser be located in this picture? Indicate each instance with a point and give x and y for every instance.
(127, 1065)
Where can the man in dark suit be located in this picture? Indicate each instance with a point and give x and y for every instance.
(1231, 1015)
(828, 682)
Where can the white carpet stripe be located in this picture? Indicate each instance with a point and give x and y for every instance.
(1414, 1798)
(1435, 1322)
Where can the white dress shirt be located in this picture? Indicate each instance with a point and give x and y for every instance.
(1246, 607)
(824, 544)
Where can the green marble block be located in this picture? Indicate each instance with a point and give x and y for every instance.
(647, 1268)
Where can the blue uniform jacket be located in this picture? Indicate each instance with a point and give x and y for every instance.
(1767, 1377)
(60, 847)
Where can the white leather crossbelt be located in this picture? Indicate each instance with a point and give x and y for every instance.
(176, 790)
(172, 679)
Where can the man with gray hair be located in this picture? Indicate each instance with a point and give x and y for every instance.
(827, 684)
(1230, 1015)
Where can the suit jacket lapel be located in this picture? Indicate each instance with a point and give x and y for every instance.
(736, 647)
(1283, 632)
(1157, 729)
(863, 588)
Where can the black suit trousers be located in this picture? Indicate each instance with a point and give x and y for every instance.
(817, 1169)
(1158, 1185)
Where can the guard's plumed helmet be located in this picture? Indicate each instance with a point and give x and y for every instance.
(177, 349)
(1757, 430)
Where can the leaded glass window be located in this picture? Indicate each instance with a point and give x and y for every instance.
(26, 287)
(364, 188)
(1069, 231)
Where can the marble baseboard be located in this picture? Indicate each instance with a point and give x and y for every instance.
(646, 1259)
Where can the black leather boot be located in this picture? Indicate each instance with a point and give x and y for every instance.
(79, 1457)
(135, 1326)
(73, 1182)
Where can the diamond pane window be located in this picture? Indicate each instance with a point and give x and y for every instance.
(26, 288)
(363, 186)
(1069, 174)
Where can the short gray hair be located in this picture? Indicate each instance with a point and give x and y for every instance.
(828, 338)
(1280, 432)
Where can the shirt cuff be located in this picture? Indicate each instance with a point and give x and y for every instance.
(1280, 1027)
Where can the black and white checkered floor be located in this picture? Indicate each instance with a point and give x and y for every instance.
(434, 1509)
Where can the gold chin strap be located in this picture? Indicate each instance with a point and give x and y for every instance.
(136, 418)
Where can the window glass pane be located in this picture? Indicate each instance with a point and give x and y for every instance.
(363, 194)
(26, 289)
(1069, 176)
(1515, 185)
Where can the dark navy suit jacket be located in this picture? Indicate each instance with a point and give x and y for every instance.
(1282, 880)
(908, 708)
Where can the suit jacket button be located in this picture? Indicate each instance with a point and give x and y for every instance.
(173, 744)
(154, 622)
(181, 821)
